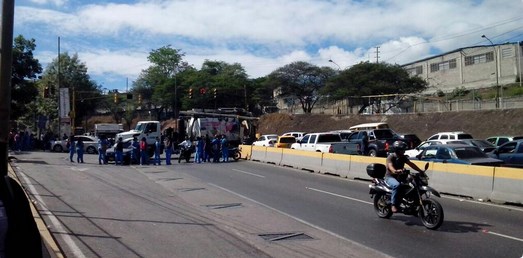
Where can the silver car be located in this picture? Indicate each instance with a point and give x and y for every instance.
(90, 144)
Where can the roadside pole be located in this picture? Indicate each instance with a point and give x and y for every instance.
(6, 54)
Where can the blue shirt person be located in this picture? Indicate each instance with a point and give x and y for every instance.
(80, 151)
(225, 149)
(118, 152)
(135, 153)
(168, 150)
(216, 148)
(157, 149)
(102, 149)
(72, 148)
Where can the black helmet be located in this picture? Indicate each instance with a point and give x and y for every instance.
(399, 146)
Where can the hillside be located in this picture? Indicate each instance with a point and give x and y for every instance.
(480, 124)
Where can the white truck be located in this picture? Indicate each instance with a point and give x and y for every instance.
(148, 129)
(107, 130)
(326, 143)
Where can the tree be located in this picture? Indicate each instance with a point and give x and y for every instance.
(159, 82)
(302, 81)
(24, 76)
(73, 75)
(366, 79)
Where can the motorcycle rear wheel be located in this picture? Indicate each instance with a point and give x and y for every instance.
(434, 217)
(382, 206)
(236, 156)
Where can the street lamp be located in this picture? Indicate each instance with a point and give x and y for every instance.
(339, 68)
(498, 88)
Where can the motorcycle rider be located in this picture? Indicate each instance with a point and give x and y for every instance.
(395, 167)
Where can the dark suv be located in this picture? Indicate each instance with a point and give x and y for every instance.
(379, 140)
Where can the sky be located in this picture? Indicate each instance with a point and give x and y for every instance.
(114, 37)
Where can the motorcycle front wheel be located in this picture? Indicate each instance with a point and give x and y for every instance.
(382, 206)
(434, 214)
(236, 156)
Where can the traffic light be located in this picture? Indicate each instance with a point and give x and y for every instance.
(190, 93)
(116, 98)
(215, 93)
(140, 99)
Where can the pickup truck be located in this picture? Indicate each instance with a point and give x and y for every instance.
(326, 143)
(379, 140)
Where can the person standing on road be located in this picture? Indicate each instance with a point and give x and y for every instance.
(198, 156)
(157, 149)
(80, 151)
(225, 148)
(135, 153)
(118, 152)
(216, 148)
(168, 149)
(207, 149)
(72, 147)
(143, 152)
(102, 148)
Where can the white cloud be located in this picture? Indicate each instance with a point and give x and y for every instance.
(265, 35)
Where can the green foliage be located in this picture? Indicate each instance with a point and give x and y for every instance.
(70, 72)
(24, 74)
(458, 93)
(301, 80)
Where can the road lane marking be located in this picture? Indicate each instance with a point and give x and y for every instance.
(75, 250)
(339, 195)
(482, 203)
(502, 235)
(248, 173)
(298, 219)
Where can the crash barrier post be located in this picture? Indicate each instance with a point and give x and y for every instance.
(273, 155)
(336, 164)
(508, 185)
(245, 151)
(258, 153)
(358, 166)
(459, 179)
(308, 160)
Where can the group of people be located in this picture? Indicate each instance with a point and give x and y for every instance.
(215, 148)
(75, 147)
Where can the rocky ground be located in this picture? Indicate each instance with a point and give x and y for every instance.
(481, 124)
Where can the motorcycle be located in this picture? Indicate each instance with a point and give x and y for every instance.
(185, 153)
(414, 192)
(234, 153)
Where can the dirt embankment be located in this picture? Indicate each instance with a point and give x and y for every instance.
(481, 124)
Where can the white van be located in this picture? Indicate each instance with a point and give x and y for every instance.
(369, 126)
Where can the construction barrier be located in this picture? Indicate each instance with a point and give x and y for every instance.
(498, 184)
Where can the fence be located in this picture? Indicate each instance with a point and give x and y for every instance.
(343, 107)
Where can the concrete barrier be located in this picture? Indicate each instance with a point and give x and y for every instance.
(245, 151)
(309, 160)
(258, 153)
(336, 164)
(358, 166)
(273, 155)
(508, 185)
(480, 182)
(466, 180)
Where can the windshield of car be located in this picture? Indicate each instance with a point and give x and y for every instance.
(384, 134)
(329, 138)
(469, 153)
(287, 140)
(465, 136)
(482, 143)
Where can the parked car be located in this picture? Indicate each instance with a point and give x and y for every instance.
(500, 140)
(450, 136)
(458, 154)
(110, 155)
(413, 153)
(511, 153)
(297, 135)
(412, 140)
(285, 141)
(379, 140)
(266, 140)
(90, 144)
(484, 145)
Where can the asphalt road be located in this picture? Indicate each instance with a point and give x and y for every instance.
(160, 211)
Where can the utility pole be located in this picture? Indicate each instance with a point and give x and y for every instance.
(377, 54)
(6, 62)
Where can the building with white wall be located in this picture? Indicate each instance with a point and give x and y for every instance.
(470, 67)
